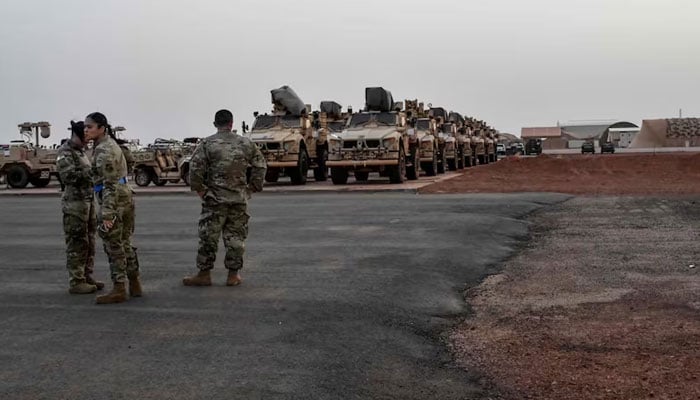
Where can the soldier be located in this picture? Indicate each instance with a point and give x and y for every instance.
(78, 204)
(218, 175)
(115, 199)
(132, 261)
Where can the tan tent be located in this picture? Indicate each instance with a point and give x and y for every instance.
(676, 132)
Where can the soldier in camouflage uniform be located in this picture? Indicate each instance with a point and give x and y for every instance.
(115, 198)
(78, 204)
(218, 175)
(132, 261)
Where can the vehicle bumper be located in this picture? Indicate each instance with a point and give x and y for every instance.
(361, 163)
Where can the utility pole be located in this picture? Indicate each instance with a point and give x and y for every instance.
(680, 113)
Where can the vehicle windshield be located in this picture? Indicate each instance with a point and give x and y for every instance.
(383, 118)
(447, 128)
(336, 126)
(270, 121)
(423, 124)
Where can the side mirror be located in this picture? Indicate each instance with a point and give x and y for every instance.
(255, 114)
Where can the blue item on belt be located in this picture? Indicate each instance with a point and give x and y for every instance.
(98, 188)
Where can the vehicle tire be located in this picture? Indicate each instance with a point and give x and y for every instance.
(186, 177)
(272, 175)
(174, 181)
(460, 159)
(361, 176)
(413, 172)
(298, 174)
(430, 168)
(321, 171)
(442, 163)
(17, 177)
(397, 173)
(339, 175)
(40, 183)
(159, 182)
(467, 161)
(143, 177)
(452, 164)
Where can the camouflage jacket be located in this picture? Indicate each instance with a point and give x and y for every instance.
(109, 167)
(130, 161)
(75, 171)
(218, 168)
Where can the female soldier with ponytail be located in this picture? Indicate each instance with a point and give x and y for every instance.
(78, 206)
(115, 199)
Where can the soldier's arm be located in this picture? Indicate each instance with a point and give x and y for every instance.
(105, 163)
(130, 161)
(198, 169)
(69, 169)
(258, 167)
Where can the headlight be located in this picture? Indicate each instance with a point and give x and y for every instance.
(289, 146)
(389, 143)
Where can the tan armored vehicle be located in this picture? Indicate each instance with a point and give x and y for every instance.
(422, 136)
(288, 140)
(375, 140)
(160, 163)
(444, 139)
(463, 142)
(23, 162)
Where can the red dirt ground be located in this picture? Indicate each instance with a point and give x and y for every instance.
(630, 174)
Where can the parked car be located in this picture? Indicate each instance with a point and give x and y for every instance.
(516, 148)
(607, 147)
(501, 149)
(533, 146)
(588, 147)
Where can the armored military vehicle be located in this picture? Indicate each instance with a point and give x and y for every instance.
(288, 140)
(375, 140)
(23, 162)
(422, 136)
(463, 141)
(160, 163)
(445, 140)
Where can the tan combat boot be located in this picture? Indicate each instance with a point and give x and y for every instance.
(234, 278)
(134, 285)
(100, 285)
(117, 295)
(203, 278)
(82, 288)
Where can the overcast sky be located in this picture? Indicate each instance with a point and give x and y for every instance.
(162, 68)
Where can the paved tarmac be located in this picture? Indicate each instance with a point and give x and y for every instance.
(346, 296)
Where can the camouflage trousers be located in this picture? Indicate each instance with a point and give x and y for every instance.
(123, 261)
(229, 221)
(79, 227)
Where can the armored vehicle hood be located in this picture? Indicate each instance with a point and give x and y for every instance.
(368, 133)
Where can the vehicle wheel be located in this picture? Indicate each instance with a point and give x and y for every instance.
(460, 160)
(40, 183)
(298, 174)
(361, 176)
(339, 175)
(412, 172)
(159, 182)
(18, 177)
(397, 173)
(467, 161)
(431, 168)
(442, 163)
(186, 177)
(173, 181)
(143, 177)
(321, 172)
(272, 175)
(451, 164)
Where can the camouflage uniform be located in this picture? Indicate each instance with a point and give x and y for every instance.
(129, 221)
(78, 204)
(218, 169)
(115, 199)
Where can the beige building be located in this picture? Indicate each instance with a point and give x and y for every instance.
(675, 132)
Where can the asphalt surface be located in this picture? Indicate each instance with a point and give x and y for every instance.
(346, 296)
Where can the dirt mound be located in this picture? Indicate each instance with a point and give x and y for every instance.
(639, 174)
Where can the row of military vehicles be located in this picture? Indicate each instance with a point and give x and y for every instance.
(397, 140)
(25, 161)
(394, 139)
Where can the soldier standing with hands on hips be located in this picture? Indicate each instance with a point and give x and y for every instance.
(78, 206)
(115, 199)
(218, 175)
